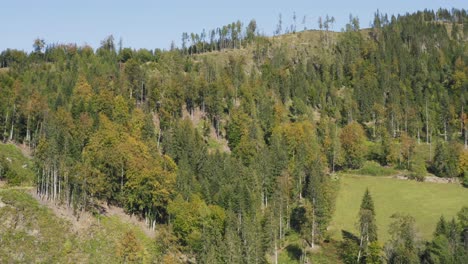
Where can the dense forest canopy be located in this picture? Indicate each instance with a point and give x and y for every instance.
(232, 140)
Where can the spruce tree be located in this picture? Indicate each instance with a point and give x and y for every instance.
(441, 228)
(367, 225)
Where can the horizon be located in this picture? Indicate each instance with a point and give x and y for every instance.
(152, 25)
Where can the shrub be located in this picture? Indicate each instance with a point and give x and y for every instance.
(465, 179)
(418, 168)
(375, 169)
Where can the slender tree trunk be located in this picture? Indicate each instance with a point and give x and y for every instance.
(334, 148)
(263, 199)
(461, 121)
(419, 139)
(375, 124)
(406, 121)
(239, 215)
(281, 221)
(67, 191)
(276, 252)
(313, 223)
(28, 135)
(360, 244)
(430, 145)
(47, 184)
(409, 158)
(466, 139)
(300, 187)
(59, 186)
(313, 232)
(445, 131)
(333, 160)
(5, 126)
(38, 186)
(12, 123)
(465, 235)
(427, 124)
(159, 138)
(54, 196)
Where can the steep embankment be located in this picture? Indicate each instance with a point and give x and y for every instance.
(38, 231)
(32, 233)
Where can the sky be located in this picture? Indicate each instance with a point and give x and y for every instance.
(154, 24)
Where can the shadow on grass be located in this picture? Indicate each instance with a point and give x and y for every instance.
(294, 251)
(348, 235)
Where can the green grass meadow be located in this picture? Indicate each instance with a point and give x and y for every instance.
(426, 202)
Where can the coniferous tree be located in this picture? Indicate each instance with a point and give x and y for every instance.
(367, 225)
(404, 245)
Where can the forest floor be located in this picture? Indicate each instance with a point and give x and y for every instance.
(425, 201)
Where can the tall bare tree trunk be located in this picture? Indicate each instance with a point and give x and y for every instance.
(47, 184)
(54, 196)
(281, 221)
(427, 125)
(6, 125)
(276, 252)
(12, 123)
(313, 226)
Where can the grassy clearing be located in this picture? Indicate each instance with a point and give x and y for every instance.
(21, 166)
(426, 202)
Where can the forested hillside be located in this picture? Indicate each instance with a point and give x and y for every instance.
(232, 142)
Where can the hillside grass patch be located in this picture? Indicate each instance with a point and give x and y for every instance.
(425, 201)
(32, 233)
(20, 166)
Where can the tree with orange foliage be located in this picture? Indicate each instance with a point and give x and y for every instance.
(353, 141)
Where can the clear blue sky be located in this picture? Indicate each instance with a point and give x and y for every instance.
(154, 24)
